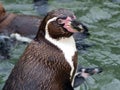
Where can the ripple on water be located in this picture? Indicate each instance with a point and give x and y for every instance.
(113, 85)
(115, 24)
(95, 14)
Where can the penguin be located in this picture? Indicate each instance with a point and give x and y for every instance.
(24, 25)
(15, 28)
(49, 62)
(83, 73)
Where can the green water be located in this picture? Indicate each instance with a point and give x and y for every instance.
(103, 19)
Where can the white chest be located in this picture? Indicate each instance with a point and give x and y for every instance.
(68, 47)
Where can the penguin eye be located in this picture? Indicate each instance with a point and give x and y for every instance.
(60, 21)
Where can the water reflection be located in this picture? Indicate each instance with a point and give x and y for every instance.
(103, 19)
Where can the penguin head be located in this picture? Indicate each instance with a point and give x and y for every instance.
(60, 23)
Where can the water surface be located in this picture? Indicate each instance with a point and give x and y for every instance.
(103, 20)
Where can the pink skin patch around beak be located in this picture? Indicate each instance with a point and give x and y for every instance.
(85, 75)
(67, 25)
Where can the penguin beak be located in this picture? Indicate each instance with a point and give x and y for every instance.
(92, 71)
(79, 27)
(84, 73)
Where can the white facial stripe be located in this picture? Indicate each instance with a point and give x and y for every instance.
(67, 45)
(52, 19)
